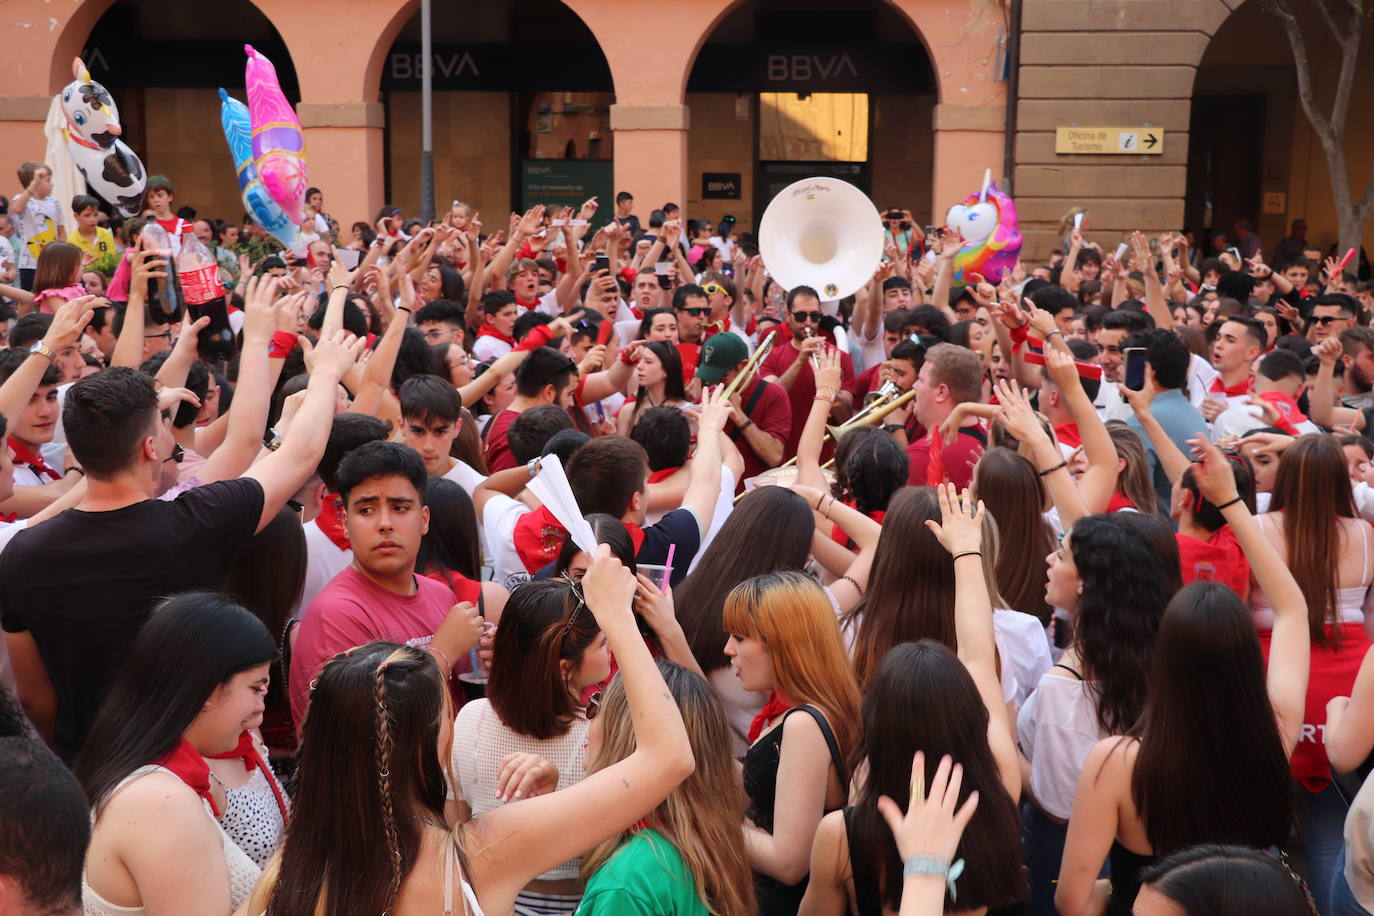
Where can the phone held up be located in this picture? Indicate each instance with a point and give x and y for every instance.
(1135, 368)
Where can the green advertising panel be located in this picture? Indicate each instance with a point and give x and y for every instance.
(567, 183)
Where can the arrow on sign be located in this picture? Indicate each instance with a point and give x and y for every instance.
(1151, 140)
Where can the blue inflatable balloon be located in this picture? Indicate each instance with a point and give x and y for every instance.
(266, 212)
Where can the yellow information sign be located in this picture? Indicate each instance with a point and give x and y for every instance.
(1117, 141)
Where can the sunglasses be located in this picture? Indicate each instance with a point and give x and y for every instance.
(696, 312)
(178, 453)
(1328, 319)
(713, 288)
(807, 317)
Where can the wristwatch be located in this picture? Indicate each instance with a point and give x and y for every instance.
(43, 349)
(893, 427)
(532, 466)
(273, 443)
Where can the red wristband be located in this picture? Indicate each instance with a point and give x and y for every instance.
(538, 336)
(283, 342)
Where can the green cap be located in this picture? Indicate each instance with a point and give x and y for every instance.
(721, 353)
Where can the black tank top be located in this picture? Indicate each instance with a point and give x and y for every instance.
(761, 785)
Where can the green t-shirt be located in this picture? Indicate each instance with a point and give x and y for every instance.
(645, 876)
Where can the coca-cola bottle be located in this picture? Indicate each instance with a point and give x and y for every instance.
(165, 300)
(199, 274)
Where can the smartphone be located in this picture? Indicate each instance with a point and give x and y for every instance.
(1135, 368)
(1120, 250)
(661, 269)
(601, 263)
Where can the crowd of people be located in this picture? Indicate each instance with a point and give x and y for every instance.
(580, 567)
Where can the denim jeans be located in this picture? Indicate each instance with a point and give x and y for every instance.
(1322, 817)
(1042, 847)
(1343, 902)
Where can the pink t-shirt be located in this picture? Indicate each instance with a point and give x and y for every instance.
(353, 611)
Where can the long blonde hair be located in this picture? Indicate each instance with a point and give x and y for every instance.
(795, 620)
(701, 817)
(1135, 481)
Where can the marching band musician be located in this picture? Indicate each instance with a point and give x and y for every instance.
(760, 415)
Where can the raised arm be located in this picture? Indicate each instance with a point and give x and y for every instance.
(283, 472)
(960, 531)
(1350, 721)
(1154, 291)
(1098, 482)
(703, 490)
(849, 585)
(1290, 645)
(1325, 411)
(64, 331)
(247, 418)
(515, 843)
(812, 441)
(1016, 415)
(128, 349)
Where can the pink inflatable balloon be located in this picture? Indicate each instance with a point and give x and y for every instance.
(278, 146)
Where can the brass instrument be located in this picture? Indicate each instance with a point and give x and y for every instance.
(871, 415)
(887, 400)
(751, 368)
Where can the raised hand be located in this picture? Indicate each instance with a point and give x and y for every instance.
(335, 354)
(68, 321)
(1015, 413)
(960, 529)
(1212, 471)
(934, 821)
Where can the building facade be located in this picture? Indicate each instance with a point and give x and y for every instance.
(715, 104)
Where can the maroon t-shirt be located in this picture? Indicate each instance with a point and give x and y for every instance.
(499, 457)
(772, 413)
(803, 389)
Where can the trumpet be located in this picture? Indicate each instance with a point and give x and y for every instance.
(815, 360)
(751, 368)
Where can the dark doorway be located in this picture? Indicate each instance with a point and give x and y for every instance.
(1225, 146)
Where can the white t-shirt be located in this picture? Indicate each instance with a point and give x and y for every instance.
(485, 348)
(39, 216)
(465, 475)
(1056, 729)
(725, 504)
(323, 561)
(871, 350)
(1024, 647)
(498, 530)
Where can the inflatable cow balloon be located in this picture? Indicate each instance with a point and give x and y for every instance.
(111, 169)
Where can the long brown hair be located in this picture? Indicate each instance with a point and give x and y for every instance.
(769, 530)
(922, 698)
(1188, 787)
(369, 758)
(701, 817)
(1134, 482)
(1312, 489)
(910, 592)
(795, 620)
(1014, 495)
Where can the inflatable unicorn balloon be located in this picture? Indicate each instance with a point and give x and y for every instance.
(267, 213)
(92, 133)
(986, 222)
(278, 146)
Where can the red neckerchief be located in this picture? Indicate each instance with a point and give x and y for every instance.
(538, 538)
(190, 767)
(330, 521)
(22, 455)
(247, 751)
(1068, 434)
(935, 465)
(1120, 501)
(1231, 391)
(527, 306)
(837, 533)
(664, 474)
(636, 535)
(486, 330)
(1290, 415)
(777, 704)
